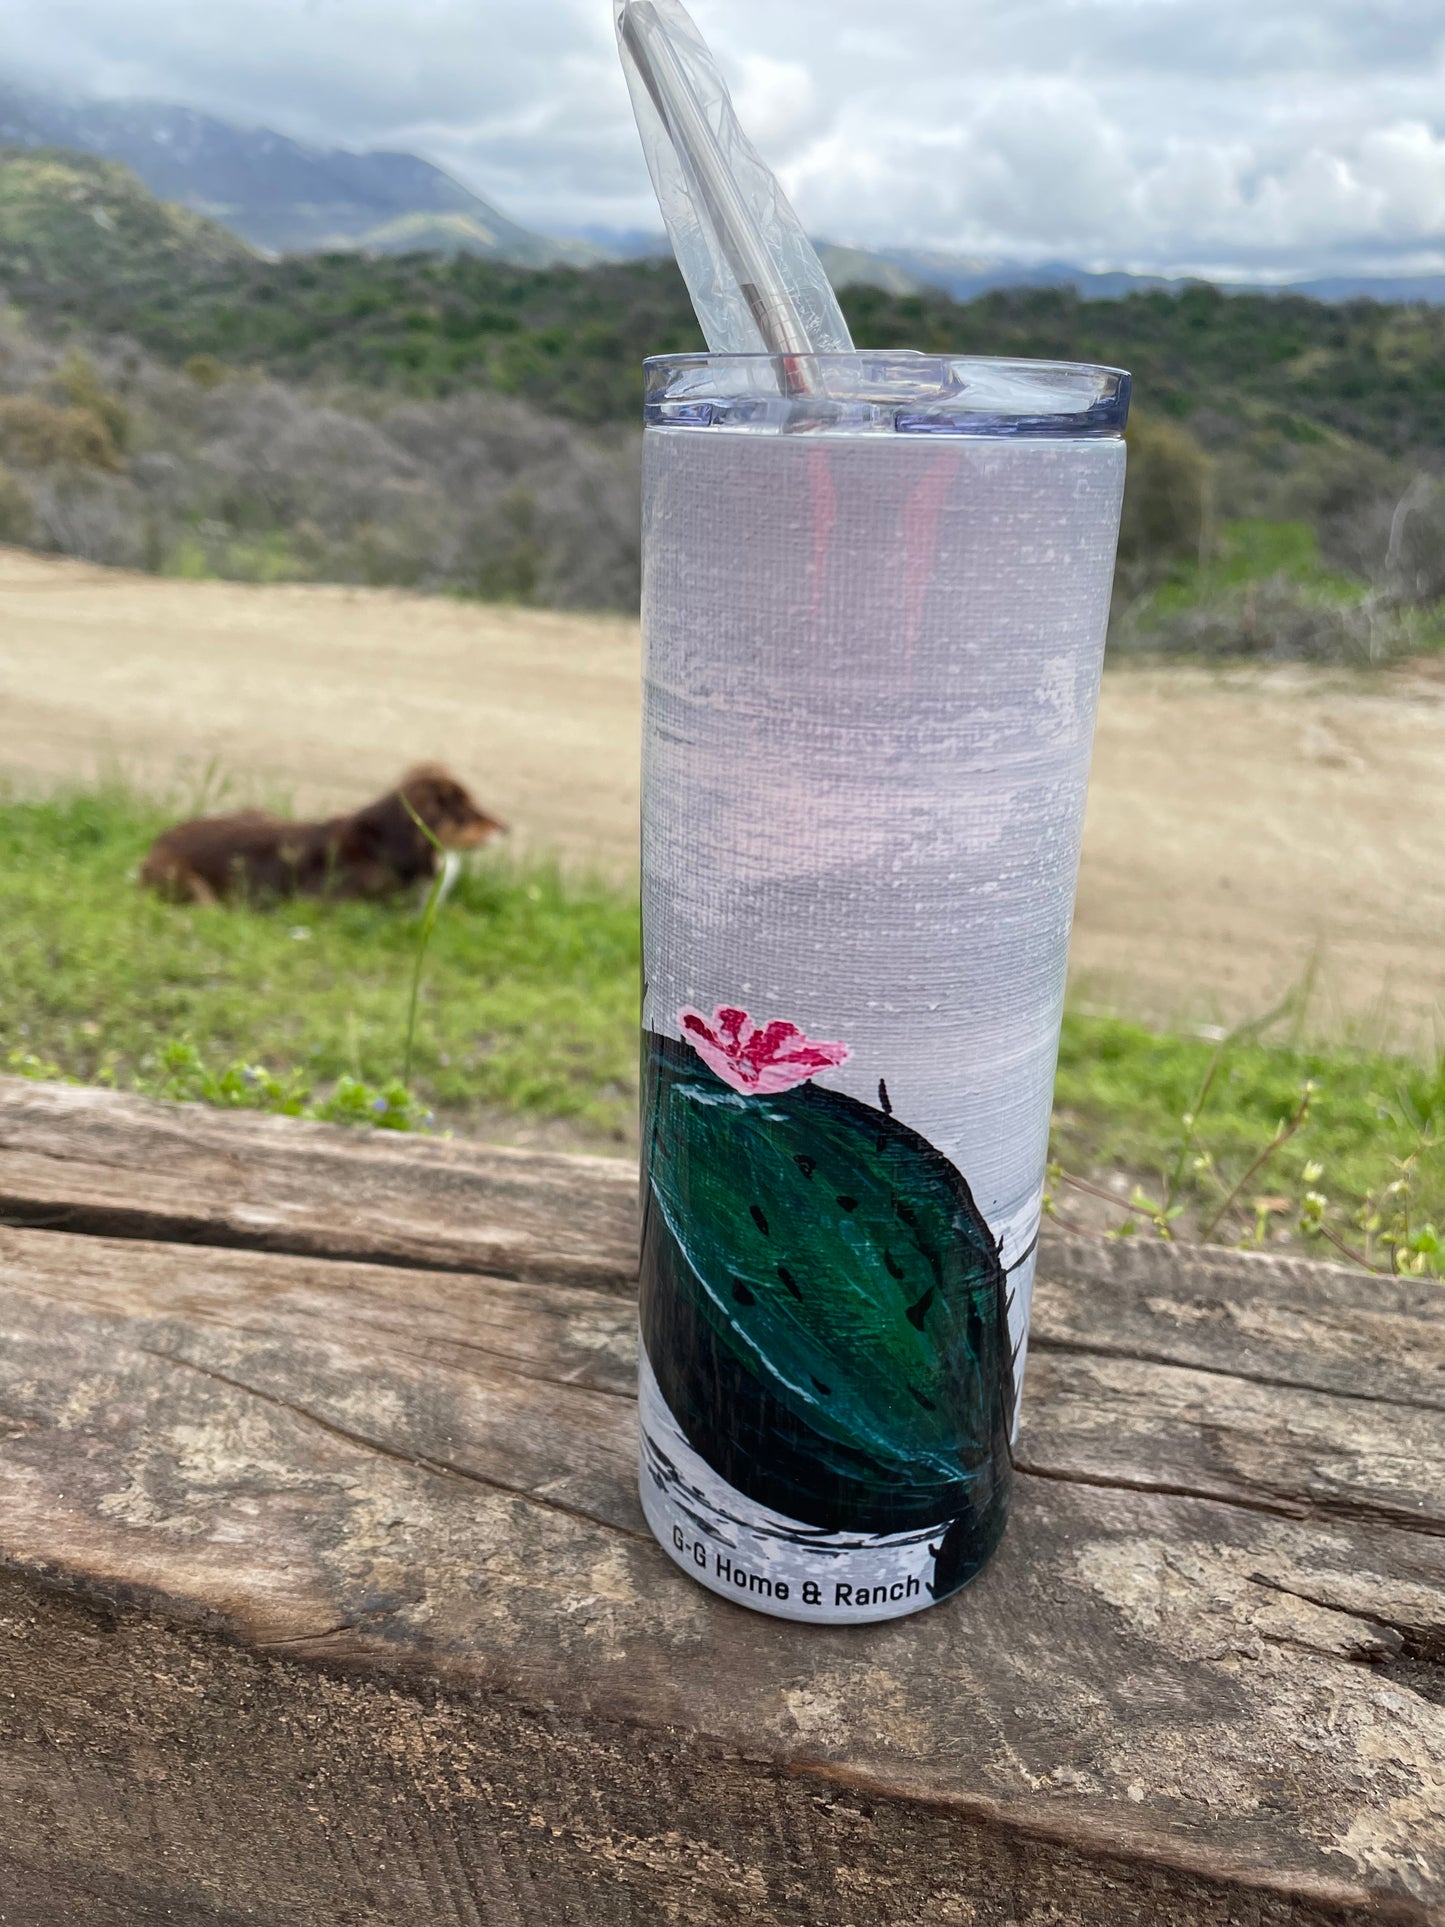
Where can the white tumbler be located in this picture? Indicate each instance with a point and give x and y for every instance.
(876, 588)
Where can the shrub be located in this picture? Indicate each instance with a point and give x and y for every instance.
(37, 434)
(510, 567)
(1166, 499)
(17, 509)
(1397, 538)
(96, 516)
(205, 371)
(1277, 620)
(77, 384)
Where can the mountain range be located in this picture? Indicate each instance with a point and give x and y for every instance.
(910, 270)
(964, 279)
(283, 196)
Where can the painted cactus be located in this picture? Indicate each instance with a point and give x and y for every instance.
(823, 1303)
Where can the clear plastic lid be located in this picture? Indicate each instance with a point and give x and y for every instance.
(896, 392)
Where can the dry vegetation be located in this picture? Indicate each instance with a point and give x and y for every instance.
(470, 425)
(1312, 551)
(1328, 554)
(114, 458)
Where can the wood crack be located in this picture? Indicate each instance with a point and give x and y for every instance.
(137, 1224)
(1102, 1837)
(1355, 1511)
(96, 1160)
(307, 1639)
(506, 1361)
(416, 1461)
(1425, 1643)
(1039, 1342)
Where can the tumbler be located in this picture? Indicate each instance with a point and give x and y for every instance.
(875, 594)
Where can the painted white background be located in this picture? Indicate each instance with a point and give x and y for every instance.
(872, 668)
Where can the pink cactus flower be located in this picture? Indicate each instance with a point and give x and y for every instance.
(757, 1059)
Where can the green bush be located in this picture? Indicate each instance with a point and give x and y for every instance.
(17, 509)
(1166, 498)
(38, 434)
(206, 371)
(78, 384)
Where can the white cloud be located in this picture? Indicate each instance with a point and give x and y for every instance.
(1405, 166)
(777, 102)
(1219, 135)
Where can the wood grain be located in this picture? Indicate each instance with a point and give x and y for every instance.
(325, 1597)
(91, 1160)
(1255, 1315)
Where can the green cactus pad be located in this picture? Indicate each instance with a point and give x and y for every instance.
(824, 1307)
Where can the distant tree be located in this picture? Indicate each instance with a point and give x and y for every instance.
(1167, 500)
(206, 371)
(17, 509)
(1395, 537)
(36, 434)
(77, 382)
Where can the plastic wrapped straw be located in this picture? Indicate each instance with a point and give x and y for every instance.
(754, 276)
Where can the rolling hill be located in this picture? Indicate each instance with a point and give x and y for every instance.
(83, 244)
(470, 425)
(82, 235)
(906, 270)
(281, 195)
(286, 196)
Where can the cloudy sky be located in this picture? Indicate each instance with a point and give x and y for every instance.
(1238, 136)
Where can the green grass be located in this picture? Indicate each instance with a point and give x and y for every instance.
(1194, 1119)
(1253, 550)
(528, 1001)
(528, 1004)
(267, 557)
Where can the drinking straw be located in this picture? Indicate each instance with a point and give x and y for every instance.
(754, 276)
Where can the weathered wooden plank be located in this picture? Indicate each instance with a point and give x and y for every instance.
(1113, 1419)
(186, 1782)
(1264, 1319)
(1153, 1705)
(107, 1162)
(1257, 1315)
(452, 1318)
(1130, 1422)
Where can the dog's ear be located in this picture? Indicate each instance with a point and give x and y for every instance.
(426, 792)
(385, 833)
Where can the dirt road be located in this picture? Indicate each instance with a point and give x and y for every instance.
(1237, 826)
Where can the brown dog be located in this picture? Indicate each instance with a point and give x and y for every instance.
(373, 853)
